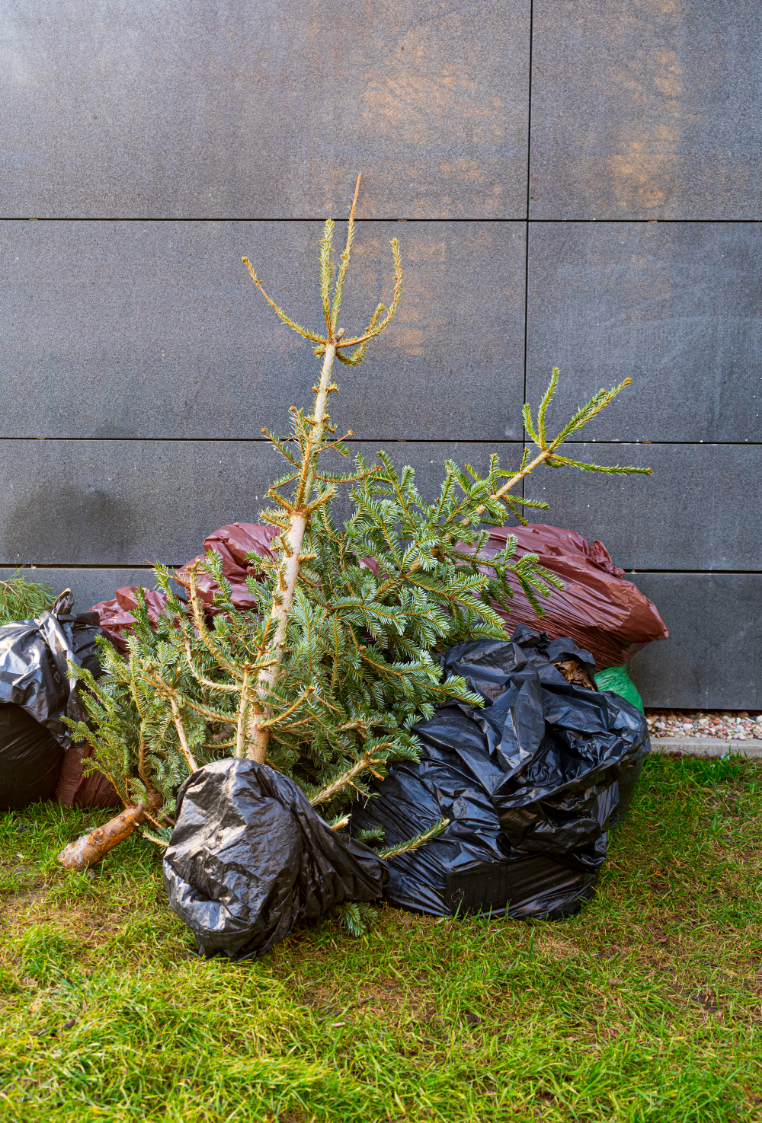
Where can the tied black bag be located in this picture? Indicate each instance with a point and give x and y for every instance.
(530, 783)
(249, 858)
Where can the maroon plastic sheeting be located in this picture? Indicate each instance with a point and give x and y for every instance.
(597, 608)
(74, 789)
(602, 612)
(116, 616)
(233, 543)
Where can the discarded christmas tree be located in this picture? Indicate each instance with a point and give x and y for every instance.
(326, 677)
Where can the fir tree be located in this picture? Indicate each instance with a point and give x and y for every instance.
(326, 677)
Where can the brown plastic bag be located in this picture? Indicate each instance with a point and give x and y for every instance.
(116, 616)
(75, 790)
(602, 612)
(116, 619)
(233, 543)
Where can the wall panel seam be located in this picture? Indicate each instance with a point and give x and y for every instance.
(391, 220)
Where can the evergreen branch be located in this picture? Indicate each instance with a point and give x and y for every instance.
(381, 325)
(281, 717)
(343, 477)
(529, 424)
(337, 444)
(558, 461)
(546, 400)
(240, 735)
(339, 822)
(346, 778)
(415, 843)
(280, 444)
(358, 354)
(197, 707)
(357, 916)
(213, 648)
(178, 721)
(535, 504)
(326, 263)
(332, 319)
(547, 452)
(588, 411)
(286, 319)
(223, 687)
(372, 834)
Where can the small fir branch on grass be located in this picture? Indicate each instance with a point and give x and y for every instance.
(21, 599)
(357, 916)
(325, 678)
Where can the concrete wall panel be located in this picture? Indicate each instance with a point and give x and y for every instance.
(677, 307)
(713, 657)
(135, 329)
(646, 110)
(125, 503)
(699, 509)
(264, 109)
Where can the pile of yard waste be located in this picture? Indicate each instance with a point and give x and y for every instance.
(326, 711)
(522, 787)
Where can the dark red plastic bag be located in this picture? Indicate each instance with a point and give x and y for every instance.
(74, 789)
(116, 616)
(234, 543)
(602, 612)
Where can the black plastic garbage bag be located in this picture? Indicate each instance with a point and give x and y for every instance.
(30, 760)
(249, 858)
(35, 658)
(37, 689)
(530, 784)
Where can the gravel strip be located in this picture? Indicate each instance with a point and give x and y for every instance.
(716, 724)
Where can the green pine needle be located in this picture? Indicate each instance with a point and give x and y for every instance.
(417, 842)
(21, 599)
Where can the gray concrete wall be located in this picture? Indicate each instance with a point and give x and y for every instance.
(572, 184)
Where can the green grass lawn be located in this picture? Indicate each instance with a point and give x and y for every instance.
(648, 1006)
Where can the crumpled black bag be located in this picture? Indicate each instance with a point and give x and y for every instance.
(530, 784)
(37, 690)
(35, 658)
(249, 858)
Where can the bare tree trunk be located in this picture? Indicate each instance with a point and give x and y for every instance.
(90, 848)
(288, 575)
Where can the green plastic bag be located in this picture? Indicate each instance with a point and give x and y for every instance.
(619, 682)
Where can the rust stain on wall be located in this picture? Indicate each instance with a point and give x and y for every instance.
(646, 171)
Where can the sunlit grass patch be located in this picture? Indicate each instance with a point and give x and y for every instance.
(646, 1007)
